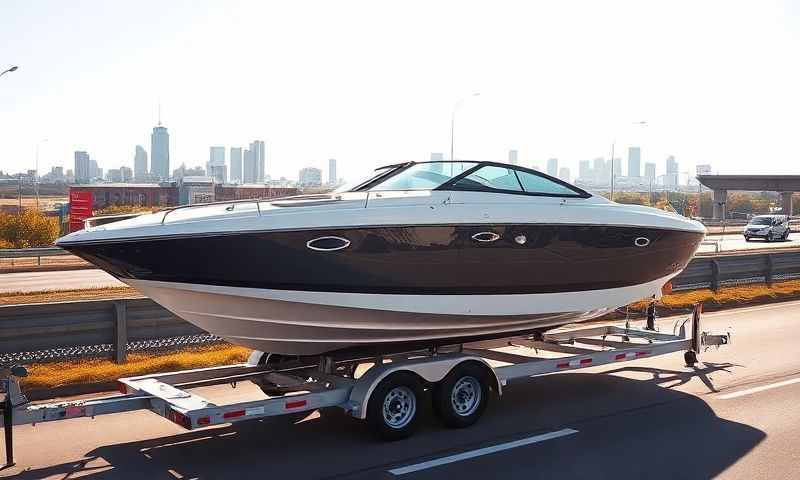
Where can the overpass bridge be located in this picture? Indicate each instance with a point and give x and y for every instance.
(786, 185)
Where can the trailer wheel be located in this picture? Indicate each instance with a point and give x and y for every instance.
(393, 408)
(690, 357)
(461, 397)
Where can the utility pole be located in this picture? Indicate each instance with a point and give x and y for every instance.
(613, 144)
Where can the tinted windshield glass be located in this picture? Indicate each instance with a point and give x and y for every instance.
(761, 221)
(424, 176)
(364, 179)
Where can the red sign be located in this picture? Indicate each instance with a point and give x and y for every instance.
(80, 208)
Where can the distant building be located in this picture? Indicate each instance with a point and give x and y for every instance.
(584, 171)
(236, 164)
(650, 171)
(182, 171)
(332, 178)
(140, 164)
(634, 162)
(113, 175)
(126, 174)
(249, 169)
(552, 167)
(671, 178)
(216, 164)
(310, 177)
(159, 153)
(95, 172)
(617, 167)
(259, 161)
(82, 167)
(563, 173)
(512, 157)
(437, 157)
(195, 189)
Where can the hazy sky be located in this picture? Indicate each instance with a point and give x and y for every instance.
(374, 82)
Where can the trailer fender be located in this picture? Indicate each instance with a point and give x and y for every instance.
(431, 369)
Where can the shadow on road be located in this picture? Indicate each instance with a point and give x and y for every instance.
(627, 429)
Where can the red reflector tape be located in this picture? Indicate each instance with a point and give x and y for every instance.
(233, 414)
(74, 411)
(203, 421)
(122, 388)
(296, 404)
(642, 354)
(562, 365)
(620, 356)
(586, 361)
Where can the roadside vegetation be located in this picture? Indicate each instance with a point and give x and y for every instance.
(27, 230)
(24, 298)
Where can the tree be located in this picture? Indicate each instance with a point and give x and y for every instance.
(30, 229)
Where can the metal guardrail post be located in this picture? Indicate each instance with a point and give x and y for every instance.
(770, 269)
(120, 331)
(715, 275)
(8, 425)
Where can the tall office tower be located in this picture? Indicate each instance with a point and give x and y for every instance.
(512, 157)
(259, 160)
(332, 178)
(82, 166)
(159, 153)
(634, 162)
(563, 173)
(236, 164)
(249, 170)
(599, 171)
(584, 170)
(125, 174)
(216, 164)
(94, 170)
(552, 167)
(650, 171)
(140, 164)
(671, 178)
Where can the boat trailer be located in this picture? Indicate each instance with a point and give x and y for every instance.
(459, 378)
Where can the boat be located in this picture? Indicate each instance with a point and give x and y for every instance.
(417, 253)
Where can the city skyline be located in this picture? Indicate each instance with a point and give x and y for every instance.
(526, 60)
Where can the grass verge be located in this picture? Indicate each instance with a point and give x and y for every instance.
(23, 298)
(51, 375)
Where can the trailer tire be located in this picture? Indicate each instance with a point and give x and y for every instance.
(461, 397)
(393, 409)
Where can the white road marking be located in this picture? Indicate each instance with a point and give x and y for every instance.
(481, 451)
(750, 391)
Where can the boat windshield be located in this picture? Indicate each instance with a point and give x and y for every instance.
(364, 180)
(423, 176)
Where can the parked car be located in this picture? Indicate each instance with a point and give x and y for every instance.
(768, 227)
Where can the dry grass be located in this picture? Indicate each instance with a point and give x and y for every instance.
(49, 375)
(21, 298)
(728, 296)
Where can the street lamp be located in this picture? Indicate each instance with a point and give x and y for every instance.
(453, 122)
(614, 144)
(12, 69)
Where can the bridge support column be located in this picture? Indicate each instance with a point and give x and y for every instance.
(786, 202)
(720, 198)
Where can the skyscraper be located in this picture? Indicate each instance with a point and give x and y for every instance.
(617, 167)
(82, 167)
(159, 153)
(236, 164)
(563, 173)
(216, 164)
(671, 178)
(249, 170)
(584, 170)
(257, 151)
(650, 171)
(552, 167)
(140, 164)
(310, 177)
(512, 157)
(634, 162)
(332, 178)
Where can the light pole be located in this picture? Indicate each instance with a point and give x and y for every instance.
(613, 145)
(453, 123)
(12, 69)
(36, 174)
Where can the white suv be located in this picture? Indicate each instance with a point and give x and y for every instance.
(768, 227)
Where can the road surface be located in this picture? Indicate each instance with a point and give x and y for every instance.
(735, 416)
(728, 243)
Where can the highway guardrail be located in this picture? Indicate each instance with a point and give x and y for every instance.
(112, 328)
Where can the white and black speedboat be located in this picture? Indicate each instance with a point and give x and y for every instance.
(434, 252)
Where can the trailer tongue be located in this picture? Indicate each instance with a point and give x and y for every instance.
(461, 378)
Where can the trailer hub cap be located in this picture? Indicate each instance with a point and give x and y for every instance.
(399, 407)
(466, 396)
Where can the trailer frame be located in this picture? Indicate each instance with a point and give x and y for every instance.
(305, 384)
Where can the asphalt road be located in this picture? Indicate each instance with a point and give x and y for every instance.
(734, 416)
(728, 243)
